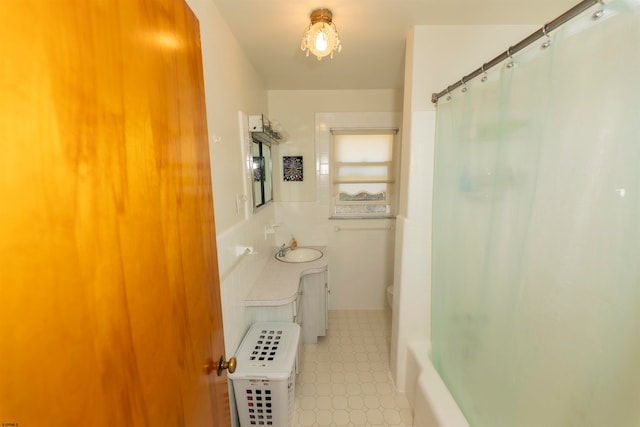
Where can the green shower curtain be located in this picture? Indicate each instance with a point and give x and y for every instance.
(536, 248)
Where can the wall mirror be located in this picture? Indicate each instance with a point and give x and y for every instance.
(262, 176)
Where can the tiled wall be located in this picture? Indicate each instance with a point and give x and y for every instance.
(233, 89)
(361, 265)
(239, 271)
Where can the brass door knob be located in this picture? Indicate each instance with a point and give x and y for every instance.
(220, 366)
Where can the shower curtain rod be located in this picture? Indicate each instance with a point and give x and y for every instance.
(542, 32)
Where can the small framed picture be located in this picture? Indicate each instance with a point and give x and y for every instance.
(292, 168)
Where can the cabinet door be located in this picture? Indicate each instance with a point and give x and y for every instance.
(314, 315)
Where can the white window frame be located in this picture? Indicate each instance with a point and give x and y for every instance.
(363, 208)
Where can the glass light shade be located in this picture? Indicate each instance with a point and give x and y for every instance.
(321, 39)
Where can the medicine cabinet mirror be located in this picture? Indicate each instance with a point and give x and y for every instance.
(262, 176)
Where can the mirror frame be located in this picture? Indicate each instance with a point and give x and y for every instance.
(261, 172)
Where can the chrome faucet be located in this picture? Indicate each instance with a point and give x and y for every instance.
(283, 250)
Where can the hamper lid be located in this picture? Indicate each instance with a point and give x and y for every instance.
(267, 348)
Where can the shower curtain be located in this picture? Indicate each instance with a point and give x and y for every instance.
(536, 250)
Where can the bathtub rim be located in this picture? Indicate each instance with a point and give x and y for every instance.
(431, 401)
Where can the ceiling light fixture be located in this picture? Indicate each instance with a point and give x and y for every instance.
(321, 37)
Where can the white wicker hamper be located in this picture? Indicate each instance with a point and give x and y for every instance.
(264, 380)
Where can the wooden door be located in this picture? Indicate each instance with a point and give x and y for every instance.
(109, 293)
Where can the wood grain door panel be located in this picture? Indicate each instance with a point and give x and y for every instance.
(108, 265)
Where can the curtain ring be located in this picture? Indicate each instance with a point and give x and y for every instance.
(510, 64)
(448, 93)
(464, 85)
(598, 13)
(484, 74)
(547, 42)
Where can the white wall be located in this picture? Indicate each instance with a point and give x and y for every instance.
(436, 57)
(296, 110)
(361, 262)
(232, 88)
(443, 54)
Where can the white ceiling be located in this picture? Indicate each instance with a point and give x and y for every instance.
(372, 33)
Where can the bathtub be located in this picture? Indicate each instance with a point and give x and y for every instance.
(433, 405)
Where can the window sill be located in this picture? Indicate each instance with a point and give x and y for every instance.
(332, 218)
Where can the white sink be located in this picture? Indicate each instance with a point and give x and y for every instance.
(300, 255)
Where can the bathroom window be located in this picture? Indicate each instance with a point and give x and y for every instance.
(364, 172)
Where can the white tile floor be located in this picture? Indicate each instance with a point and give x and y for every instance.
(344, 380)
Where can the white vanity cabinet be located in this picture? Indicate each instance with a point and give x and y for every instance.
(308, 309)
(292, 292)
(314, 296)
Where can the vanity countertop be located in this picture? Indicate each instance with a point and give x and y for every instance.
(278, 282)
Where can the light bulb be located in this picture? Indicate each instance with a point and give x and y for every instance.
(321, 42)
